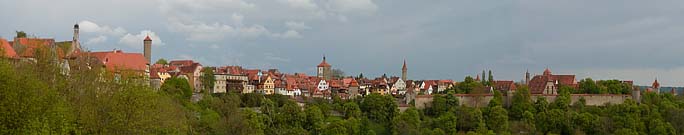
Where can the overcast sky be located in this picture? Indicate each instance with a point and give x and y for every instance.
(440, 39)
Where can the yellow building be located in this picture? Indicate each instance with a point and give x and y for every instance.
(269, 85)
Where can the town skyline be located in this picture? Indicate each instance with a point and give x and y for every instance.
(374, 37)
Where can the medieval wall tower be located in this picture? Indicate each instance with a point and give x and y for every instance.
(148, 49)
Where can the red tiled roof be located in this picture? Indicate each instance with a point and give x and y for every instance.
(335, 83)
(31, 44)
(323, 63)
(181, 63)
(190, 69)
(147, 38)
(353, 83)
(538, 83)
(504, 85)
(157, 66)
(7, 48)
(117, 60)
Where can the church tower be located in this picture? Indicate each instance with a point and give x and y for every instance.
(148, 49)
(404, 71)
(323, 70)
(75, 45)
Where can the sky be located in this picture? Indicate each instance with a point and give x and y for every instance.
(439, 39)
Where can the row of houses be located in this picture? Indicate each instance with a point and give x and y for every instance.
(240, 80)
(69, 55)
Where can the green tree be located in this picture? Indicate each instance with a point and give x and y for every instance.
(379, 108)
(352, 110)
(498, 120)
(529, 122)
(162, 61)
(314, 119)
(490, 79)
(292, 115)
(614, 87)
(588, 85)
(468, 118)
(497, 100)
(439, 105)
(255, 123)
(469, 85)
(177, 87)
(407, 122)
(563, 99)
(580, 104)
(21, 34)
(626, 131)
(449, 122)
(29, 106)
(541, 105)
(587, 122)
(521, 102)
(207, 79)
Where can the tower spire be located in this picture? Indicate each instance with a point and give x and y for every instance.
(404, 71)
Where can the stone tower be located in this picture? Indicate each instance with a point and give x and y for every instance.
(323, 70)
(404, 71)
(148, 49)
(75, 45)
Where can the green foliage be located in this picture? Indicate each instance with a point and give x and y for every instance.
(541, 105)
(37, 98)
(590, 86)
(469, 86)
(497, 120)
(626, 131)
(251, 99)
(177, 87)
(314, 119)
(521, 102)
(448, 122)
(21, 34)
(587, 122)
(379, 108)
(497, 100)
(407, 122)
(490, 79)
(29, 106)
(468, 118)
(563, 99)
(207, 79)
(162, 61)
(352, 110)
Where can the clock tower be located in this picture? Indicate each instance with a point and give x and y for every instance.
(323, 70)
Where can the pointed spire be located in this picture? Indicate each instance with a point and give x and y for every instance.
(404, 67)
